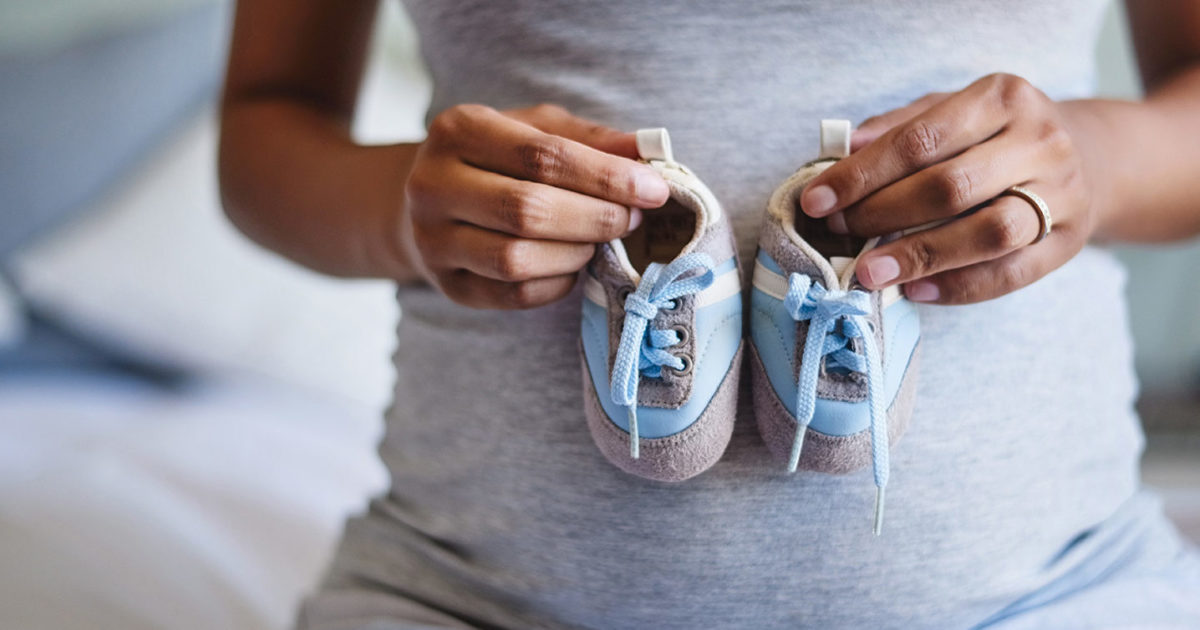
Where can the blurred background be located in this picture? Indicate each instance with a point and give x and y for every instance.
(186, 419)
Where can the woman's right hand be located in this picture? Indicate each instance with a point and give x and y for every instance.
(502, 209)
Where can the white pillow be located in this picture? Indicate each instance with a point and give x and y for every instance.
(157, 270)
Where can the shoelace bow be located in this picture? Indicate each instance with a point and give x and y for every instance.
(824, 309)
(641, 350)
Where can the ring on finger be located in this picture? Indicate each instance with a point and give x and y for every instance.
(1045, 221)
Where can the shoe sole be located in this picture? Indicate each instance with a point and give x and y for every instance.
(675, 457)
(833, 454)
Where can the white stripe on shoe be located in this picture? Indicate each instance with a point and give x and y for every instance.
(725, 286)
(776, 286)
(770, 282)
(594, 291)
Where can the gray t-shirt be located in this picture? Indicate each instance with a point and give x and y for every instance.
(1024, 439)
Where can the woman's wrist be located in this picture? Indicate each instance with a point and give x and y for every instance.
(294, 181)
(1140, 161)
(1095, 127)
(390, 240)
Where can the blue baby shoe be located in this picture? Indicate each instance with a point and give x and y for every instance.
(834, 365)
(661, 334)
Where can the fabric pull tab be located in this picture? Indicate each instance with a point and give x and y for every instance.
(655, 144)
(835, 139)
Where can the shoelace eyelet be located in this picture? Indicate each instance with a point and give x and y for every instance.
(682, 333)
(623, 294)
(687, 365)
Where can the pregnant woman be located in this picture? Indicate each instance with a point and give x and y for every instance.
(1014, 499)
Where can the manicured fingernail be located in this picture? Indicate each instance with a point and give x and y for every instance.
(837, 223)
(881, 270)
(635, 218)
(818, 201)
(921, 291)
(650, 188)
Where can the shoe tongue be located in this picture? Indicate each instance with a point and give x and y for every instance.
(840, 263)
(843, 266)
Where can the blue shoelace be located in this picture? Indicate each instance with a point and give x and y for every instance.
(642, 350)
(836, 318)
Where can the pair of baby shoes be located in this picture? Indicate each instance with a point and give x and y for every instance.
(833, 365)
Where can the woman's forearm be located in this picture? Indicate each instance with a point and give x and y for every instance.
(1145, 160)
(294, 181)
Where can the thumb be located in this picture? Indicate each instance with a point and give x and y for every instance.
(558, 121)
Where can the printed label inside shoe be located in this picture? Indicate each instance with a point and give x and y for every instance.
(661, 237)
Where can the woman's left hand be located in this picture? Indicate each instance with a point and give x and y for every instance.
(952, 156)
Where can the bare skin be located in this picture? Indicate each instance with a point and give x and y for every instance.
(495, 209)
(501, 209)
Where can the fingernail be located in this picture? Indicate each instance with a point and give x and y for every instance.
(921, 291)
(818, 201)
(635, 218)
(881, 270)
(837, 223)
(649, 188)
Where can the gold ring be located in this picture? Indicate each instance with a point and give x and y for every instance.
(1045, 223)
